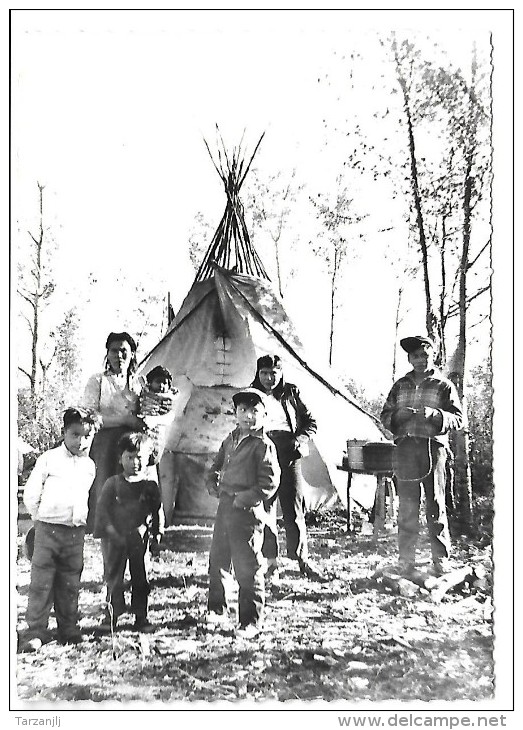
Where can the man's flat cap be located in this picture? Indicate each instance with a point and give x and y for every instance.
(410, 344)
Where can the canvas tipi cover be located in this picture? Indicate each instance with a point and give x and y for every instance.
(223, 326)
(230, 317)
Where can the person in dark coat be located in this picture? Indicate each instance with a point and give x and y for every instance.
(290, 425)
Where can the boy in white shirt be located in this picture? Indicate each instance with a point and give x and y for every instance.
(56, 495)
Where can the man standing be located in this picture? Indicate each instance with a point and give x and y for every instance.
(420, 410)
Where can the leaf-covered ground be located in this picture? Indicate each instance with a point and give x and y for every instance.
(352, 638)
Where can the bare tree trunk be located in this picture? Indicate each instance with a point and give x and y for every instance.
(36, 296)
(33, 297)
(333, 291)
(429, 315)
(443, 294)
(429, 319)
(396, 328)
(278, 266)
(463, 481)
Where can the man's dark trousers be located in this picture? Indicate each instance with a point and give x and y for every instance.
(292, 502)
(412, 455)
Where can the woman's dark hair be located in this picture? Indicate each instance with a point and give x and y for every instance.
(159, 373)
(123, 337)
(272, 362)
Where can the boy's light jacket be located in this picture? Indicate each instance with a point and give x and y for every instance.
(248, 468)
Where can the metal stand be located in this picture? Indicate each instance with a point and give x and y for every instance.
(384, 483)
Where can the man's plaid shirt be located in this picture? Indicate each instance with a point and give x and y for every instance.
(436, 392)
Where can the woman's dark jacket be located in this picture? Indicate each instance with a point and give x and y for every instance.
(299, 417)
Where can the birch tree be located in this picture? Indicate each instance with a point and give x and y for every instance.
(269, 204)
(443, 122)
(339, 219)
(467, 108)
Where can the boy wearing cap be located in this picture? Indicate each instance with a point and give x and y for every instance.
(244, 473)
(420, 410)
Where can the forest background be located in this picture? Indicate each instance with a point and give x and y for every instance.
(371, 189)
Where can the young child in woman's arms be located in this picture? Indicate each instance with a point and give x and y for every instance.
(156, 407)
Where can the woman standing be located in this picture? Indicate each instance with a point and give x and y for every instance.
(289, 424)
(114, 394)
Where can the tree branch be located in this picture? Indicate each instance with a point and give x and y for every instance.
(27, 299)
(45, 366)
(28, 321)
(485, 316)
(25, 373)
(452, 311)
(38, 243)
(471, 264)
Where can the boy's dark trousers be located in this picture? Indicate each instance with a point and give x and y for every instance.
(237, 540)
(115, 558)
(56, 567)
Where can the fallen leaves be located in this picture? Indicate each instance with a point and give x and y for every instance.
(353, 638)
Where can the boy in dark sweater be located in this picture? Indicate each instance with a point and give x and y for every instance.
(128, 513)
(245, 472)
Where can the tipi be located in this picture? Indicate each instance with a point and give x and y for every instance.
(230, 317)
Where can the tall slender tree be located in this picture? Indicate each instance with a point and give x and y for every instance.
(338, 217)
(468, 128)
(35, 287)
(406, 57)
(269, 206)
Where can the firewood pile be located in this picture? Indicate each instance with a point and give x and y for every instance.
(465, 580)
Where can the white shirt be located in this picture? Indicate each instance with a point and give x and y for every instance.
(58, 487)
(276, 419)
(109, 394)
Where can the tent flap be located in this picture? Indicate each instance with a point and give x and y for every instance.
(226, 323)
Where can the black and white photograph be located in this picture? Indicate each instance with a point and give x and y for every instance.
(261, 349)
